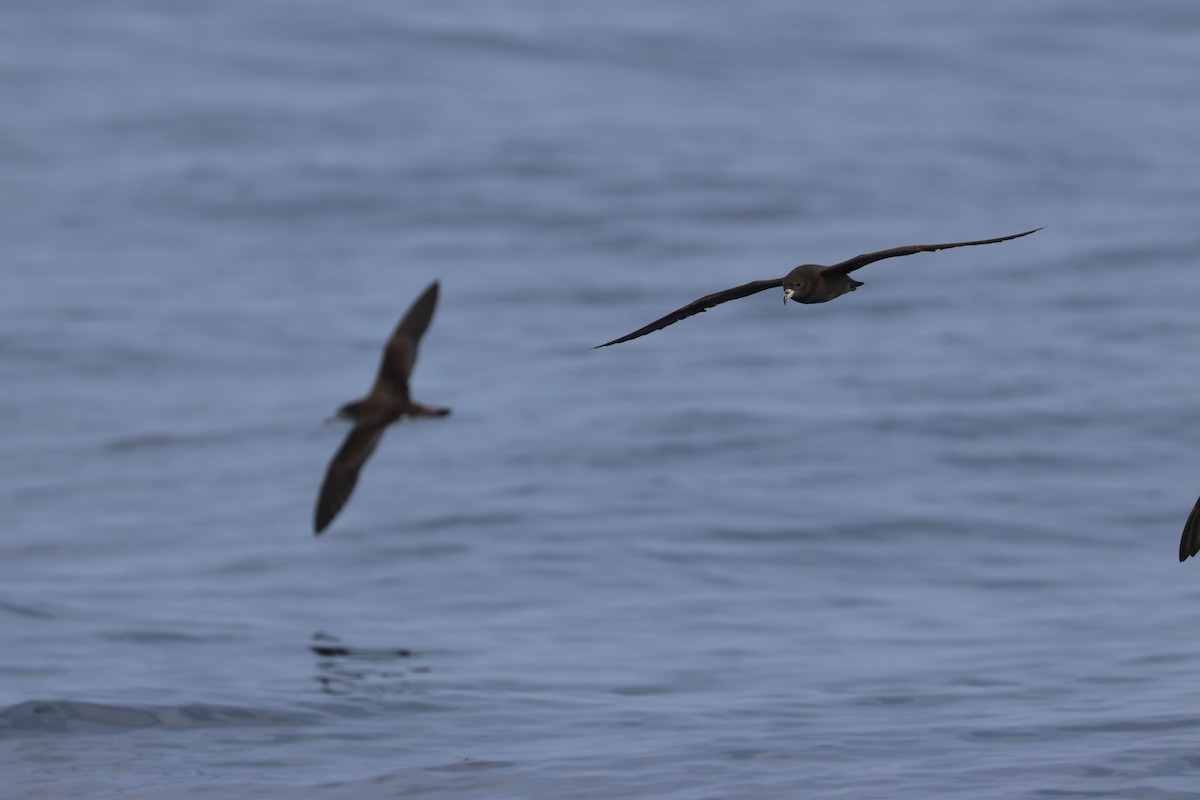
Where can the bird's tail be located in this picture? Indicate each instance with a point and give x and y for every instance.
(418, 410)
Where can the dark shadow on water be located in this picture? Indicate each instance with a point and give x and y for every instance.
(346, 670)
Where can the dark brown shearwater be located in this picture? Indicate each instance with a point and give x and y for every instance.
(1189, 543)
(808, 283)
(387, 402)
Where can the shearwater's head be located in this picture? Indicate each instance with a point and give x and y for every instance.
(812, 283)
(800, 282)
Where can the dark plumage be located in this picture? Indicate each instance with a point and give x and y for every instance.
(387, 402)
(808, 283)
(1189, 543)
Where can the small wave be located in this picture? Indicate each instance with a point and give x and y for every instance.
(159, 439)
(54, 717)
(24, 611)
(144, 441)
(481, 520)
(149, 637)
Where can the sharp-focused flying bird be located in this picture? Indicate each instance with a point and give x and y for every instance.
(808, 283)
(1189, 543)
(387, 402)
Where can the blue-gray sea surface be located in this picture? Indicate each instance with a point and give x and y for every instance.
(917, 542)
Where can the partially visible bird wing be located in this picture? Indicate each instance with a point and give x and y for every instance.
(849, 265)
(697, 307)
(343, 471)
(1189, 544)
(400, 353)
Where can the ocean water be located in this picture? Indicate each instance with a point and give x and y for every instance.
(918, 542)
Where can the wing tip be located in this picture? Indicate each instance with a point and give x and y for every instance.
(430, 293)
(627, 337)
(622, 340)
(321, 521)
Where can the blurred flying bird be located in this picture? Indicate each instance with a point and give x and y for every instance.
(387, 402)
(808, 283)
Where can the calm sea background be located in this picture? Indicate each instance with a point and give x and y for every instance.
(917, 542)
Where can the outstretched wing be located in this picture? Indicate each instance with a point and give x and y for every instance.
(697, 307)
(400, 353)
(343, 471)
(1189, 544)
(849, 265)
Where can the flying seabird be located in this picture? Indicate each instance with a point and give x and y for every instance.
(808, 283)
(387, 402)
(1189, 543)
